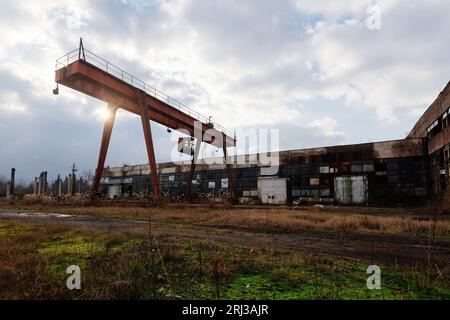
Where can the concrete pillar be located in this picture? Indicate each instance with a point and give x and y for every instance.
(8, 190)
(59, 186)
(74, 184)
(69, 185)
(35, 186)
(13, 181)
(39, 185)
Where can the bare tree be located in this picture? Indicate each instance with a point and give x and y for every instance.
(3, 183)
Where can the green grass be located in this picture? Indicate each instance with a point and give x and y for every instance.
(303, 282)
(12, 229)
(74, 245)
(262, 277)
(117, 265)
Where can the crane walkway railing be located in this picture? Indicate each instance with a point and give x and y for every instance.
(97, 61)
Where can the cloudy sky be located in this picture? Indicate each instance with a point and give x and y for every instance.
(312, 69)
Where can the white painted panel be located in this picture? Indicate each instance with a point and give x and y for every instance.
(343, 189)
(359, 189)
(324, 169)
(114, 191)
(351, 190)
(269, 171)
(272, 190)
(169, 170)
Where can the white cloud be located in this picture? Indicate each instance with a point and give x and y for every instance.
(327, 126)
(10, 102)
(246, 64)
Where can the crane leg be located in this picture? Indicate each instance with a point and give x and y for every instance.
(106, 137)
(231, 181)
(149, 144)
(187, 191)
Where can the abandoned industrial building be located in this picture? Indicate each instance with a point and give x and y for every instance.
(399, 172)
(410, 171)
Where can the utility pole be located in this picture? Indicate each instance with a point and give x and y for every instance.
(69, 185)
(73, 182)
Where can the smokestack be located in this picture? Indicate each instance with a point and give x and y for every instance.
(44, 189)
(13, 181)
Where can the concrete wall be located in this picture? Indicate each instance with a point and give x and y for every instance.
(434, 111)
(377, 150)
(399, 148)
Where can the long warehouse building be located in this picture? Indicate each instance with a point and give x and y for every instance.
(399, 172)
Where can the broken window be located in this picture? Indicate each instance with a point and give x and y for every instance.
(356, 168)
(344, 167)
(224, 183)
(324, 169)
(434, 128)
(324, 181)
(446, 154)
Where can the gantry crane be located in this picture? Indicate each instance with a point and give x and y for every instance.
(90, 74)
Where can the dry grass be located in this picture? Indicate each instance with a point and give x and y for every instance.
(33, 259)
(278, 220)
(294, 221)
(22, 270)
(342, 220)
(31, 270)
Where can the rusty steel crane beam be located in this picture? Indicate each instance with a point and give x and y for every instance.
(86, 72)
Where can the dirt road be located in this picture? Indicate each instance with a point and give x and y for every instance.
(375, 249)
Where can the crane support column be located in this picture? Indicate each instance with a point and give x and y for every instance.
(149, 143)
(107, 130)
(231, 181)
(187, 191)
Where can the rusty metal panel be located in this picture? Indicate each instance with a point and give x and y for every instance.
(88, 79)
(399, 148)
